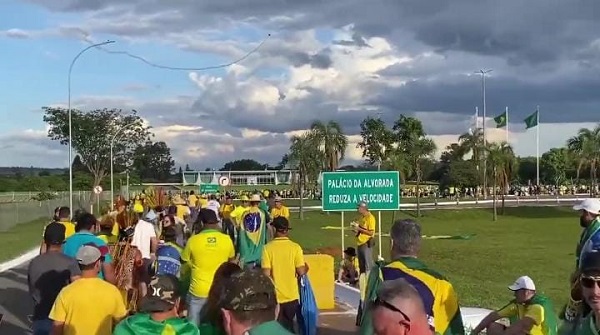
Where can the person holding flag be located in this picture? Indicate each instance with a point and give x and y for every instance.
(253, 234)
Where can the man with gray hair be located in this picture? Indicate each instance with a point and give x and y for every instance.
(437, 293)
(398, 309)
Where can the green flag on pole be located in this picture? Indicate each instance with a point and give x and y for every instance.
(501, 120)
(532, 120)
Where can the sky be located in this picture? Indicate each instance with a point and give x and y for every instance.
(323, 60)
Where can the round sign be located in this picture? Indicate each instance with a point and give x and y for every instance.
(98, 189)
(223, 180)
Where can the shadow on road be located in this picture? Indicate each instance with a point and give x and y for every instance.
(15, 302)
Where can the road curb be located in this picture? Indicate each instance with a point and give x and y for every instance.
(24, 258)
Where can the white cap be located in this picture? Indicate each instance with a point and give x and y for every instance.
(590, 205)
(522, 283)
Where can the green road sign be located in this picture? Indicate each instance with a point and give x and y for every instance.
(209, 188)
(341, 191)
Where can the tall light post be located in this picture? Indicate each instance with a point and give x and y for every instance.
(483, 73)
(112, 179)
(70, 124)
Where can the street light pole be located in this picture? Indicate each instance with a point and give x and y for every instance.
(112, 180)
(483, 73)
(70, 123)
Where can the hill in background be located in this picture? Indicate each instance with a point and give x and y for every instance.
(29, 171)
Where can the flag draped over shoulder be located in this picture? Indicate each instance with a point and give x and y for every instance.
(308, 314)
(501, 120)
(142, 324)
(532, 120)
(253, 235)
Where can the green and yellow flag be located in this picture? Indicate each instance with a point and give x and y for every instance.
(532, 120)
(501, 120)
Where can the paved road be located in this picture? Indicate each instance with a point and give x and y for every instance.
(15, 303)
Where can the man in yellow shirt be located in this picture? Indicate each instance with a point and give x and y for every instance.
(529, 313)
(64, 218)
(283, 260)
(364, 229)
(88, 305)
(192, 199)
(225, 212)
(236, 214)
(204, 253)
(280, 209)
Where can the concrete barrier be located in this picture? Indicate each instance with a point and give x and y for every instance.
(321, 276)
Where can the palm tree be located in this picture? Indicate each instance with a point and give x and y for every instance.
(411, 149)
(472, 142)
(305, 157)
(586, 148)
(331, 141)
(502, 160)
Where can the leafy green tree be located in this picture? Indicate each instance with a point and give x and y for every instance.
(554, 165)
(376, 143)
(243, 165)
(152, 161)
(306, 158)
(92, 134)
(501, 158)
(585, 147)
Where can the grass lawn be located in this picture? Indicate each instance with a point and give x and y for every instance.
(538, 242)
(21, 238)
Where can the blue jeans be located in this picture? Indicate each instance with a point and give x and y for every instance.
(42, 327)
(195, 305)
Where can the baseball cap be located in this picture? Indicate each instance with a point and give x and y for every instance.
(522, 283)
(90, 253)
(281, 223)
(590, 262)
(362, 204)
(54, 233)
(248, 290)
(590, 205)
(162, 294)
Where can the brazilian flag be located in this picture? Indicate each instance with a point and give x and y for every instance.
(142, 324)
(253, 235)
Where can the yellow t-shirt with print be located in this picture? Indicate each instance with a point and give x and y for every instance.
(204, 253)
(88, 306)
(283, 256)
(283, 211)
(366, 222)
(533, 311)
(226, 210)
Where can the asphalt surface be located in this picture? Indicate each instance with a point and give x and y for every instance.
(15, 303)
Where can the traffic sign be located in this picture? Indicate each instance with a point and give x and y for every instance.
(342, 191)
(209, 188)
(224, 181)
(98, 189)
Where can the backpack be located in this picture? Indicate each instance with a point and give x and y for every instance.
(168, 260)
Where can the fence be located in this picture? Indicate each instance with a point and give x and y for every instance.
(18, 207)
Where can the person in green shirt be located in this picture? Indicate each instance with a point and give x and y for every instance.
(158, 311)
(249, 305)
(590, 290)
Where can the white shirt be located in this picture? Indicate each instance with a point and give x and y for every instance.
(142, 234)
(214, 205)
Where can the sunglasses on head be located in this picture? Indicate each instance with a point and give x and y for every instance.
(385, 304)
(589, 281)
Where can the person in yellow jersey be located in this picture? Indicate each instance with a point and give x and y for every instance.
(236, 214)
(529, 313)
(204, 253)
(192, 199)
(280, 209)
(203, 200)
(64, 218)
(364, 228)
(182, 209)
(225, 212)
(89, 305)
(138, 204)
(283, 260)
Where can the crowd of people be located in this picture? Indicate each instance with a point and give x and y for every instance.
(203, 266)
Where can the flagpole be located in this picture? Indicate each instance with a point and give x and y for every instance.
(537, 131)
(506, 111)
(476, 118)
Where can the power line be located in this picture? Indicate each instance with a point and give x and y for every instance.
(175, 68)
